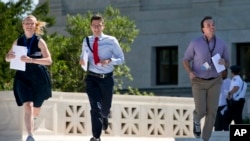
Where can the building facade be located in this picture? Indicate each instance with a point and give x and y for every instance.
(166, 28)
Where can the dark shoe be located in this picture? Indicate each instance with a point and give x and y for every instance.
(197, 129)
(30, 138)
(95, 139)
(105, 123)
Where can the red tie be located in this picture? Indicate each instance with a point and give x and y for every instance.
(95, 51)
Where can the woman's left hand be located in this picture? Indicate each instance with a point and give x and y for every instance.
(26, 59)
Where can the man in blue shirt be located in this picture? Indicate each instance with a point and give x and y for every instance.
(206, 81)
(104, 52)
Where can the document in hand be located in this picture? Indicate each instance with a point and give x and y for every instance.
(85, 59)
(16, 63)
(219, 68)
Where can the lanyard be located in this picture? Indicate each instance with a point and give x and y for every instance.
(211, 50)
(30, 44)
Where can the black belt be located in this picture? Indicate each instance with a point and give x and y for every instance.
(103, 75)
(211, 78)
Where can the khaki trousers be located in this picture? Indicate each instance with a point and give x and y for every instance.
(206, 97)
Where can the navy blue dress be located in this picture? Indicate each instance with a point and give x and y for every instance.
(33, 84)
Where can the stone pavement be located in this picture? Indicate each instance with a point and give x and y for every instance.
(216, 136)
(105, 138)
(87, 138)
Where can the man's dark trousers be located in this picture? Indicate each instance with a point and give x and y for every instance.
(100, 93)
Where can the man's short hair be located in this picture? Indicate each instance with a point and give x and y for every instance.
(205, 18)
(235, 69)
(97, 17)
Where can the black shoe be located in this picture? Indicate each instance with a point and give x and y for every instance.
(95, 139)
(197, 129)
(105, 123)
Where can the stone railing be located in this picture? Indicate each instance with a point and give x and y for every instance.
(69, 114)
(11, 120)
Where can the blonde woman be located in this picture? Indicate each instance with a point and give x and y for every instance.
(32, 86)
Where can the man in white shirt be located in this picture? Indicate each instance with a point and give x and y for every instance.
(236, 95)
(222, 112)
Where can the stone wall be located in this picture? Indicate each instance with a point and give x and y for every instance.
(164, 23)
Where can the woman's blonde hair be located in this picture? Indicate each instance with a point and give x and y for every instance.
(40, 25)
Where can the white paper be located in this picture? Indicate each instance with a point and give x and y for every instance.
(219, 68)
(16, 62)
(85, 59)
(205, 66)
